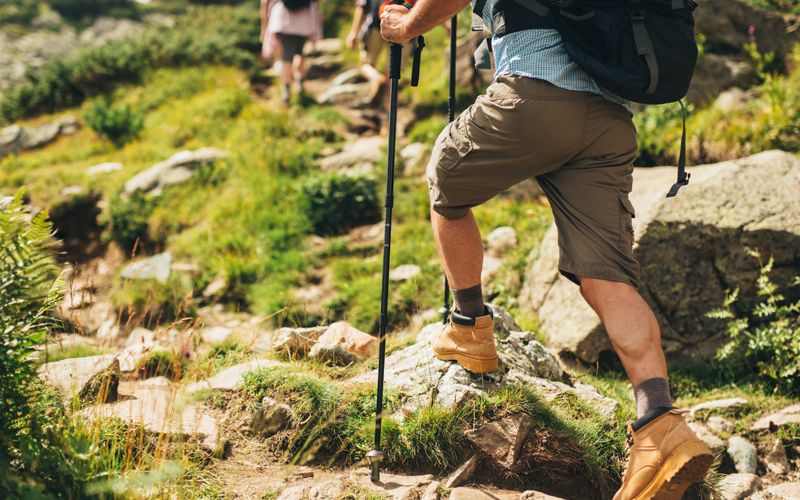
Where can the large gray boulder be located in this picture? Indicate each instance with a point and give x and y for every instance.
(15, 138)
(691, 249)
(178, 169)
(422, 379)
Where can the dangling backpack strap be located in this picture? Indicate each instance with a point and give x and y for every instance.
(683, 176)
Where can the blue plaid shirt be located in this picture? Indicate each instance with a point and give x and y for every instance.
(540, 53)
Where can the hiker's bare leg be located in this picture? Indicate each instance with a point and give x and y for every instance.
(286, 72)
(631, 326)
(460, 245)
(299, 67)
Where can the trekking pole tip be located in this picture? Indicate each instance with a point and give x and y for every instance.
(374, 457)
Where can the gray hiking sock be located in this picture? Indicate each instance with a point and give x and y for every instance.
(469, 301)
(651, 394)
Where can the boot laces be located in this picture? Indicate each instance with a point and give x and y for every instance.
(628, 448)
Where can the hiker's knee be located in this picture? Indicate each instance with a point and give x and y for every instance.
(596, 290)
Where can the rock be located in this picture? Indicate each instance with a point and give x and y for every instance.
(326, 490)
(340, 338)
(537, 495)
(738, 486)
(500, 240)
(14, 139)
(346, 93)
(271, 417)
(391, 486)
(158, 267)
(404, 272)
(327, 46)
(776, 460)
(217, 287)
(717, 72)
(432, 491)
(422, 379)
(689, 246)
(323, 66)
(361, 154)
(139, 344)
(102, 387)
(414, 158)
(503, 322)
(179, 168)
(718, 404)
(109, 330)
(705, 434)
(786, 416)
(215, 334)
(350, 76)
(231, 378)
(469, 494)
(733, 99)
(296, 341)
(463, 473)
(502, 440)
(491, 268)
(744, 454)
(293, 493)
(782, 491)
(73, 376)
(152, 406)
(720, 425)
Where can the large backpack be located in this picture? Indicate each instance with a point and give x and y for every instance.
(296, 4)
(641, 50)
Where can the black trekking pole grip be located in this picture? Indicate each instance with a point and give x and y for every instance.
(395, 61)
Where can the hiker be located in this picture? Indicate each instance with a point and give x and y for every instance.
(365, 31)
(286, 25)
(545, 117)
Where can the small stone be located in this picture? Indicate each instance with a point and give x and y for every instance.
(332, 355)
(786, 416)
(501, 240)
(404, 272)
(367, 151)
(231, 378)
(217, 287)
(104, 168)
(350, 76)
(463, 474)
(348, 338)
(327, 490)
(271, 417)
(216, 334)
(720, 425)
(432, 491)
(109, 330)
(414, 158)
(744, 454)
(296, 341)
(776, 460)
(705, 434)
(738, 486)
(178, 169)
(537, 495)
(719, 404)
(782, 491)
(293, 493)
(70, 191)
(491, 268)
(157, 267)
(469, 494)
(502, 440)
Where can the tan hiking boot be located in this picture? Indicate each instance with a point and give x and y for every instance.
(468, 341)
(664, 459)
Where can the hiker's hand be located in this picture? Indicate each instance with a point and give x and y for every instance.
(393, 24)
(351, 41)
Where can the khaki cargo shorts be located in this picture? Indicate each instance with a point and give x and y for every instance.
(579, 147)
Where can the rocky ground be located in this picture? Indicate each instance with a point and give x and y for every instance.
(694, 243)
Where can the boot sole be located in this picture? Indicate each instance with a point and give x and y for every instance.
(469, 363)
(687, 465)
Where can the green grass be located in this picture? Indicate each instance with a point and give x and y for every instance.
(69, 352)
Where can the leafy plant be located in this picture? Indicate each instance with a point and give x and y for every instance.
(335, 203)
(119, 124)
(126, 219)
(765, 340)
(77, 9)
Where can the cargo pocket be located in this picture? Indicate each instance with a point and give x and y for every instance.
(455, 142)
(626, 215)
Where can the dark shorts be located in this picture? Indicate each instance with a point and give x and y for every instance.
(580, 148)
(291, 45)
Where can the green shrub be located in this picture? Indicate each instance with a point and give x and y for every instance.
(335, 203)
(18, 11)
(229, 36)
(765, 340)
(78, 9)
(29, 292)
(226, 353)
(119, 124)
(161, 364)
(126, 219)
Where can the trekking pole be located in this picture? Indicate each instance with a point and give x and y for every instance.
(375, 456)
(451, 112)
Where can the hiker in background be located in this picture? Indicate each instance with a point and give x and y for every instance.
(546, 117)
(286, 25)
(366, 31)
